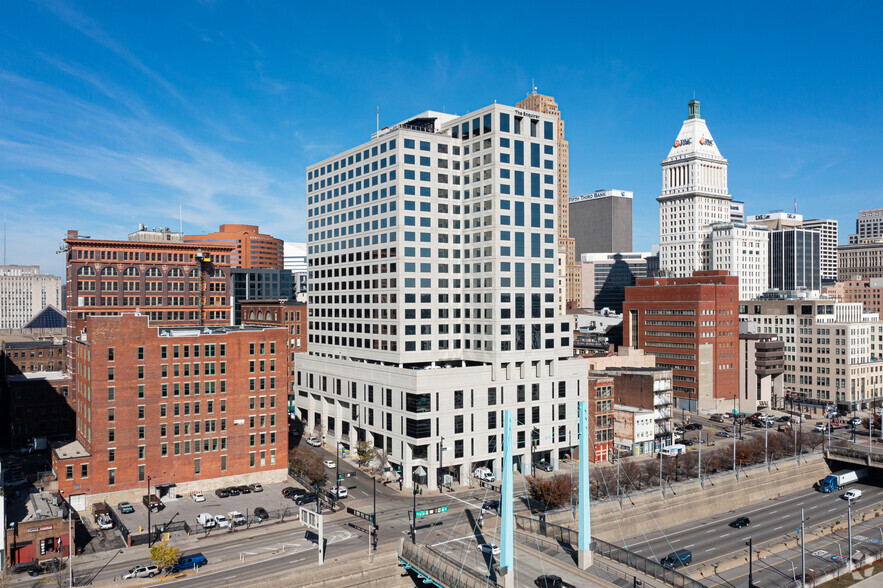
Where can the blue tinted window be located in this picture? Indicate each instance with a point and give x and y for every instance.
(535, 155)
(409, 144)
(476, 127)
(424, 191)
(504, 204)
(409, 158)
(424, 207)
(504, 123)
(547, 194)
(519, 282)
(519, 183)
(425, 252)
(409, 221)
(425, 177)
(424, 160)
(504, 219)
(410, 190)
(504, 158)
(425, 238)
(424, 145)
(548, 164)
(409, 236)
(486, 121)
(519, 244)
(410, 267)
(504, 173)
(504, 235)
(547, 149)
(455, 131)
(409, 174)
(548, 131)
(465, 128)
(519, 214)
(409, 252)
(548, 179)
(504, 142)
(519, 152)
(425, 222)
(535, 244)
(409, 205)
(535, 215)
(535, 185)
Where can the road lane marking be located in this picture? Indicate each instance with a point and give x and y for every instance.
(777, 528)
(690, 545)
(773, 512)
(711, 531)
(812, 507)
(712, 549)
(725, 534)
(453, 540)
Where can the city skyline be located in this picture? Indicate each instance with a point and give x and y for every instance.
(117, 117)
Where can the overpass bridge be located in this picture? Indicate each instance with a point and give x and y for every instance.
(855, 455)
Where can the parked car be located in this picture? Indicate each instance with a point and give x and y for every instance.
(339, 492)
(244, 489)
(260, 513)
(784, 419)
(687, 442)
(485, 474)
(186, 562)
(197, 497)
(329, 463)
(237, 518)
(152, 502)
(48, 566)
(694, 427)
(313, 441)
(855, 421)
(544, 465)
(489, 548)
(288, 491)
(222, 493)
(24, 566)
(256, 487)
(680, 430)
(297, 494)
(104, 522)
(206, 520)
(125, 508)
(141, 572)
(716, 418)
(740, 522)
(306, 498)
(222, 521)
(723, 434)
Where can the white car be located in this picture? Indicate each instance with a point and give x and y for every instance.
(206, 520)
(339, 492)
(852, 494)
(104, 522)
(485, 474)
(313, 441)
(141, 572)
(236, 518)
(222, 521)
(198, 497)
(329, 463)
(489, 548)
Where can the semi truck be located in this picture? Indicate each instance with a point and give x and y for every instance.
(837, 480)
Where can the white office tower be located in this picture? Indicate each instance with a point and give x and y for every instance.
(432, 252)
(695, 227)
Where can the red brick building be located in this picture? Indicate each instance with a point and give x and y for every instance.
(35, 355)
(691, 325)
(195, 407)
(601, 417)
(281, 313)
(37, 531)
(251, 248)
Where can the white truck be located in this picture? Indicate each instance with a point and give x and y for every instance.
(673, 450)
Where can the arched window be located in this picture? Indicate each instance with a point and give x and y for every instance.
(131, 272)
(194, 273)
(86, 270)
(251, 315)
(154, 272)
(260, 316)
(176, 273)
(109, 271)
(218, 273)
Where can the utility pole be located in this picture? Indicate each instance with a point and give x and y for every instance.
(750, 564)
(70, 548)
(441, 459)
(374, 516)
(149, 505)
(700, 456)
(849, 528)
(414, 517)
(766, 429)
(735, 440)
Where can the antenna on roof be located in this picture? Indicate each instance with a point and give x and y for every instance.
(795, 210)
(378, 120)
(4, 238)
(533, 86)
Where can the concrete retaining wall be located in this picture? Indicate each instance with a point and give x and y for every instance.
(687, 501)
(383, 572)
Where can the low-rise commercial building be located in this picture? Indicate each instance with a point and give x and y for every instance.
(37, 528)
(868, 292)
(634, 430)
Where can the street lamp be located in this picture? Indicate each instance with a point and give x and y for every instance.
(750, 563)
(149, 505)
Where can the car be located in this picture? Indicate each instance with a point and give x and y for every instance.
(244, 489)
(313, 441)
(186, 562)
(716, 418)
(288, 491)
(329, 463)
(492, 548)
(680, 430)
(855, 421)
(306, 498)
(821, 427)
(48, 566)
(694, 427)
(297, 494)
(853, 494)
(233, 491)
(222, 521)
(784, 419)
(256, 487)
(676, 559)
(104, 522)
(152, 503)
(197, 497)
(237, 518)
(339, 492)
(222, 493)
(544, 465)
(483, 473)
(740, 522)
(551, 582)
(206, 520)
(141, 572)
(261, 514)
(723, 434)
(491, 505)
(24, 566)
(125, 508)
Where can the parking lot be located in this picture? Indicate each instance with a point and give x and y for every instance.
(187, 510)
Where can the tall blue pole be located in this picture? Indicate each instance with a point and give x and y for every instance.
(585, 507)
(507, 539)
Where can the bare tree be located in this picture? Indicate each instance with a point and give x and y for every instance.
(553, 492)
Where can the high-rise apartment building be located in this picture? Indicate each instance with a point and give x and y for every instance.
(860, 261)
(795, 259)
(566, 243)
(251, 248)
(601, 222)
(605, 276)
(828, 229)
(832, 349)
(691, 326)
(193, 408)
(868, 225)
(24, 292)
(433, 295)
(695, 227)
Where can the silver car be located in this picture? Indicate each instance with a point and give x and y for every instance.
(141, 572)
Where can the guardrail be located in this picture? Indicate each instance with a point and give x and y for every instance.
(644, 565)
(441, 569)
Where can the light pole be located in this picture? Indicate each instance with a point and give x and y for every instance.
(735, 440)
(414, 517)
(750, 564)
(70, 548)
(149, 508)
(802, 550)
(849, 527)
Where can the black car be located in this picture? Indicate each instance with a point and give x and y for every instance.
(740, 522)
(784, 419)
(233, 491)
(693, 427)
(687, 442)
(244, 489)
(49, 566)
(222, 493)
(288, 491)
(260, 513)
(551, 582)
(491, 505)
(24, 566)
(306, 498)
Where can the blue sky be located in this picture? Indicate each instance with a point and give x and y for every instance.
(115, 113)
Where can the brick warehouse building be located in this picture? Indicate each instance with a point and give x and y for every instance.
(691, 325)
(154, 271)
(251, 249)
(195, 407)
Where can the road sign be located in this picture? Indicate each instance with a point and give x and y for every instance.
(360, 514)
(344, 476)
(431, 511)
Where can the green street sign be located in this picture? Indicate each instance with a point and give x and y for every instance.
(431, 511)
